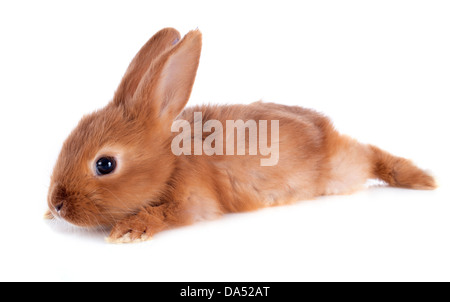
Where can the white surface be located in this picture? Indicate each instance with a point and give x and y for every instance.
(379, 69)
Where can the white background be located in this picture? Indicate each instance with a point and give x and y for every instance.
(379, 69)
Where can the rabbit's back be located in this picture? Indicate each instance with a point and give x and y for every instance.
(242, 182)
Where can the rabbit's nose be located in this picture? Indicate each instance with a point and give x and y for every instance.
(59, 206)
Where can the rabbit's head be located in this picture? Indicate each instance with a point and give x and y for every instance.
(118, 159)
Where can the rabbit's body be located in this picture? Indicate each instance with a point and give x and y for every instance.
(117, 169)
(314, 159)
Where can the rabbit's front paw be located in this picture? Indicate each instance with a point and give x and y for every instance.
(131, 229)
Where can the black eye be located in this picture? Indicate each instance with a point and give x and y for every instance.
(105, 165)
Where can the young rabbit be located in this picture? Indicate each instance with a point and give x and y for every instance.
(118, 169)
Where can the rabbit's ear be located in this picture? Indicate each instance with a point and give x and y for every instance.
(158, 44)
(165, 88)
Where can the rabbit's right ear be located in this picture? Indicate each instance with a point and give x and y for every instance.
(158, 44)
(165, 88)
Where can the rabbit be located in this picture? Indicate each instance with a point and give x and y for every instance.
(116, 168)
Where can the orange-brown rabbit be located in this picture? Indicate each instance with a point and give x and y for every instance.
(118, 168)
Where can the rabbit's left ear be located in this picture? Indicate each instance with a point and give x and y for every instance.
(165, 88)
(158, 44)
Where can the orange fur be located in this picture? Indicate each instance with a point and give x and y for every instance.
(399, 172)
(152, 189)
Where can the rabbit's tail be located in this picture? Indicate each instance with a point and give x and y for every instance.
(398, 171)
